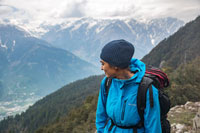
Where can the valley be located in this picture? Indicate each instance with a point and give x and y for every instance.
(11, 108)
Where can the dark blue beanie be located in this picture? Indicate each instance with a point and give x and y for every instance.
(118, 53)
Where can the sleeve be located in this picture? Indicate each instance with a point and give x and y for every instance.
(101, 115)
(152, 122)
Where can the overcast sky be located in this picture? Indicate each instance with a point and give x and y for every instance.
(38, 11)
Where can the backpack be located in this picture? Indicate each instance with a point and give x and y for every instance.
(156, 77)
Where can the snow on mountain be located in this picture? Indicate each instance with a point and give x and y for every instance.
(3, 45)
(85, 37)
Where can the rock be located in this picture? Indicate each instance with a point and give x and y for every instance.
(178, 128)
(196, 122)
(182, 118)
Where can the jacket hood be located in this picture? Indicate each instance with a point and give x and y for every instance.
(138, 67)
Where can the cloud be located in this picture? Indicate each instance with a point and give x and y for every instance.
(11, 14)
(74, 9)
(51, 11)
(143, 9)
(6, 9)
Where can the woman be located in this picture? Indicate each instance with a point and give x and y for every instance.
(117, 111)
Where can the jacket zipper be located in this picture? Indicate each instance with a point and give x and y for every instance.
(123, 110)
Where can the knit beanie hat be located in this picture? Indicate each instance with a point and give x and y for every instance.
(118, 53)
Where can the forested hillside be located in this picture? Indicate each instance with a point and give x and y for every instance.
(185, 85)
(52, 107)
(78, 120)
(181, 47)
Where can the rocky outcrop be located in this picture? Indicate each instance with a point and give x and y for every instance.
(184, 118)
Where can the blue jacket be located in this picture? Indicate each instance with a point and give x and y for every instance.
(121, 104)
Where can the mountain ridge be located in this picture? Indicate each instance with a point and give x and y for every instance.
(76, 36)
(31, 68)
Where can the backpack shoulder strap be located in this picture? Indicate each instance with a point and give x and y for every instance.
(107, 85)
(141, 96)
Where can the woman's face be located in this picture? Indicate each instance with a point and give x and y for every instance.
(109, 70)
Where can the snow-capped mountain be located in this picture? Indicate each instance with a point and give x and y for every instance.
(30, 66)
(85, 37)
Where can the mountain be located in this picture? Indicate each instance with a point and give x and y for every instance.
(1, 89)
(31, 66)
(179, 56)
(181, 47)
(52, 107)
(85, 37)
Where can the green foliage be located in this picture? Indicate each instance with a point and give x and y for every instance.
(78, 120)
(185, 85)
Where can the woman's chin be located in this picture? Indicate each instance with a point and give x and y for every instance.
(108, 76)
